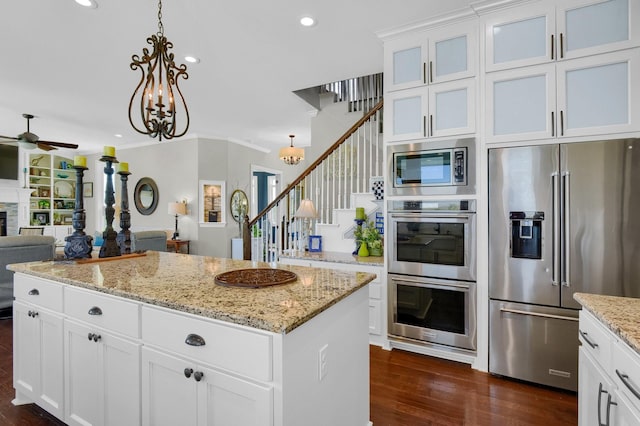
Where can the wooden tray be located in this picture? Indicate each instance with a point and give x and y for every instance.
(105, 259)
(255, 277)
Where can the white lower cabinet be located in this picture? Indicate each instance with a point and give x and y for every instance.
(596, 397)
(102, 379)
(608, 377)
(91, 358)
(37, 360)
(179, 391)
(377, 294)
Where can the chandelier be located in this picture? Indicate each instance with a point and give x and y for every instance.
(158, 85)
(291, 155)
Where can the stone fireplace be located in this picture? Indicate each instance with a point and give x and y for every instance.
(14, 203)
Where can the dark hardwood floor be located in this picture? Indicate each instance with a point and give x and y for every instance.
(406, 389)
(415, 390)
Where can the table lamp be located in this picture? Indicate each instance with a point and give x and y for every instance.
(177, 209)
(306, 211)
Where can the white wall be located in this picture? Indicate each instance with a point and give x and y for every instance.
(177, 166)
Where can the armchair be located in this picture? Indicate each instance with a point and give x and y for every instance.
(19, 249)
(149, 240)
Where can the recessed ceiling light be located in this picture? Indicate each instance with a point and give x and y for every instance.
(118, 135)
(307, 21)
(192, 59)
(88, 3)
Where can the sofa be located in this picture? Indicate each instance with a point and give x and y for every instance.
(19, 249)
(149, 240)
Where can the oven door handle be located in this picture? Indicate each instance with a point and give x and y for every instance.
(452, 286)
(431, 216)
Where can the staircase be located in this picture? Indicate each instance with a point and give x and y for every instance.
(337, 182)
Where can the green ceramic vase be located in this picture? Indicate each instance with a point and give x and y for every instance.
(363, 251)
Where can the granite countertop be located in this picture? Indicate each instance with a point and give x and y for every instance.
(186, 283)
(336, 257)
(620, 314)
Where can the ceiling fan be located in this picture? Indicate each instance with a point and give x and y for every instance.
(28, 140)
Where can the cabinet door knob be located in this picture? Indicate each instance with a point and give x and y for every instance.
(96, 337)
(194, 340)
(90, 336)
(34, 292)
(95, 311)
(188, 372)
(198, 375)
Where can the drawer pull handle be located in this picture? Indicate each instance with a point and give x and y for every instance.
(34, 292)
(586, 339)
(198, 375)
(94, 337)
(627, 382)
(95, 311)
(194, 340)
(188, 372)
(32, 314)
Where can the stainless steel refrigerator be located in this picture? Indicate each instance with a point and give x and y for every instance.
(562, 219)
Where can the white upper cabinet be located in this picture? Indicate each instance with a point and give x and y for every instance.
(587, 96)
(431, 57)
(445, 109)
(544, 32)
(520, 104)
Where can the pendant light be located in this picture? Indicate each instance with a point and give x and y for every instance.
(156, 93)
(291, 155)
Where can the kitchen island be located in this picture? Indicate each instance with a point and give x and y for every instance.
(609, 360)
(154, 340)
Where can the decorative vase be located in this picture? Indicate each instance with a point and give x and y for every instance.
(363, 251)
(375, 251)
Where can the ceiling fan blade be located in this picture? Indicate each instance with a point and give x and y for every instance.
(8, 138)
(58, 144)
(45, 147)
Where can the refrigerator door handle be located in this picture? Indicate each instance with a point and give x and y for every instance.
(537, 314)
(556, 229)
(566, 282)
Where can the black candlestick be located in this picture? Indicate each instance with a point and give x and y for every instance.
(124, 236)
(78, 244)
(110, 246)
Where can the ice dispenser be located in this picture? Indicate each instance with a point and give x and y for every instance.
(526, 234)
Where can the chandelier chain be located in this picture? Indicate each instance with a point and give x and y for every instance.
(160, 26)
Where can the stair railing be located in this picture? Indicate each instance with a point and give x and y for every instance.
(345, 168)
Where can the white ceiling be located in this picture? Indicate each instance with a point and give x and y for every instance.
(69, 65)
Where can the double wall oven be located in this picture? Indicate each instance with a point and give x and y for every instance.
(432, 271)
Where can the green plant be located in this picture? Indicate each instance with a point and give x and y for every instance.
(369, 234)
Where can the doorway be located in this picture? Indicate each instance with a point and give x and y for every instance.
(265, 186)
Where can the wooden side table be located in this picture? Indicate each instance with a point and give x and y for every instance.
(176, 245)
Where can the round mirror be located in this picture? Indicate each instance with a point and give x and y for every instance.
(145, 196)
(239, 205)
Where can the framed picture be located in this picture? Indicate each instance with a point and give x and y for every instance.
(315, 243)
(212, 203)
(40, 218)
(87, 190)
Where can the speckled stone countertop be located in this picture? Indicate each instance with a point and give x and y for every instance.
(620, 314)
(186, 283)
(332, 256)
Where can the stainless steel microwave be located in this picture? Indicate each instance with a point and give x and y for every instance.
(432, 168)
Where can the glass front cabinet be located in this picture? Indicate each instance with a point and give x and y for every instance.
(543, 33)
(431, 85)
(581, 97)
